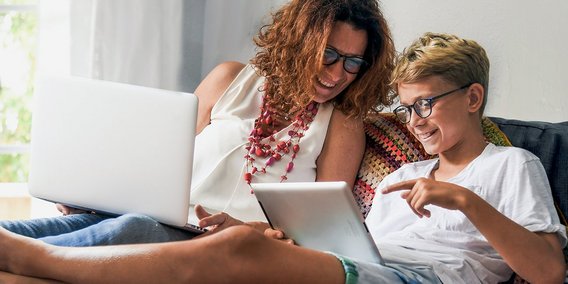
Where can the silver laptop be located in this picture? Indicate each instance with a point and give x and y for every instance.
(318, 215)
(113, 148)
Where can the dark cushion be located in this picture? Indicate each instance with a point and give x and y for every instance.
(549, 142)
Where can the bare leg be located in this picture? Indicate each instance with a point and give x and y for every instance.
(6, 277)
(237, 255)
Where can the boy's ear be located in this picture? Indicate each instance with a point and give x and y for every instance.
(475, 96)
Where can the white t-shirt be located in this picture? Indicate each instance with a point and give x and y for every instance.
(511, 179)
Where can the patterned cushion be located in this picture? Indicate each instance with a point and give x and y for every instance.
(389, 146)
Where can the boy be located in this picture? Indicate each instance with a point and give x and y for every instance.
(488, 209)
(475, 214)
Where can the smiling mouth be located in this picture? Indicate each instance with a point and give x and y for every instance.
(326, 84)
(426, 135)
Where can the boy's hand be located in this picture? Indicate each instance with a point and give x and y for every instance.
(278, 235)
(422, 191)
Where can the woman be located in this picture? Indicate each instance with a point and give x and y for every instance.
(293, 114)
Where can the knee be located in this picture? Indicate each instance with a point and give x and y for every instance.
(230, 250)
(240, 239)
(133, 221)
(244, 234)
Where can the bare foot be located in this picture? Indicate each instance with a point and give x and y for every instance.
(17, 253)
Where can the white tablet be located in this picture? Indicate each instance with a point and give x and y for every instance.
(318, 215)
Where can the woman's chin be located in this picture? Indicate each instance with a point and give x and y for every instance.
(322, 97)
(320, 100)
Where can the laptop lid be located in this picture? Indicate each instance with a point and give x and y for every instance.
(113, 147)
(318, 215)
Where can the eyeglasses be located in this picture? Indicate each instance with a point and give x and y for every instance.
(422, 107)
(351, 64)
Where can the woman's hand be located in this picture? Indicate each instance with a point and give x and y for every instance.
(220, 221)
(277, 235)
(66, 210)
(215, 222)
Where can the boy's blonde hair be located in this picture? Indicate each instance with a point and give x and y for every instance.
(459, 61)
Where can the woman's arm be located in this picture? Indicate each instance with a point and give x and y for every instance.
(212, 88)
(342, 150)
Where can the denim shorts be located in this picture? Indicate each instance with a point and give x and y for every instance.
(367, 272)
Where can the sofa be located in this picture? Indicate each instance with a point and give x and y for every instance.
(389, 145)
(549, 142)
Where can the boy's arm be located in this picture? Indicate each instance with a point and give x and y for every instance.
(537, 257)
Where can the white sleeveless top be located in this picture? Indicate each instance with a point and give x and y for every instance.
(219, 164)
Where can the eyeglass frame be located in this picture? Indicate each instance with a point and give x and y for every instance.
(364, 63)
(429, 102)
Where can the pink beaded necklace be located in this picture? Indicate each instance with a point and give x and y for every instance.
(256, 149)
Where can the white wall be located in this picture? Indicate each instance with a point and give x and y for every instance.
(526, 42)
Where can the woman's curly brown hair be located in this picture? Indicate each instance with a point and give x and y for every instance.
(291, 51)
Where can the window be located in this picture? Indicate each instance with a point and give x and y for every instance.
(18, 45)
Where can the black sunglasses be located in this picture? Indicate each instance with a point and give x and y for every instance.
(351, 64)
(422, 107)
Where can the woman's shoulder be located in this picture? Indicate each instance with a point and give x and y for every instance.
(217, 81)
(228, 69)
(221, 76)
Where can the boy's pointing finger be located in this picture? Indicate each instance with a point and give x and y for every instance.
(403, 185)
